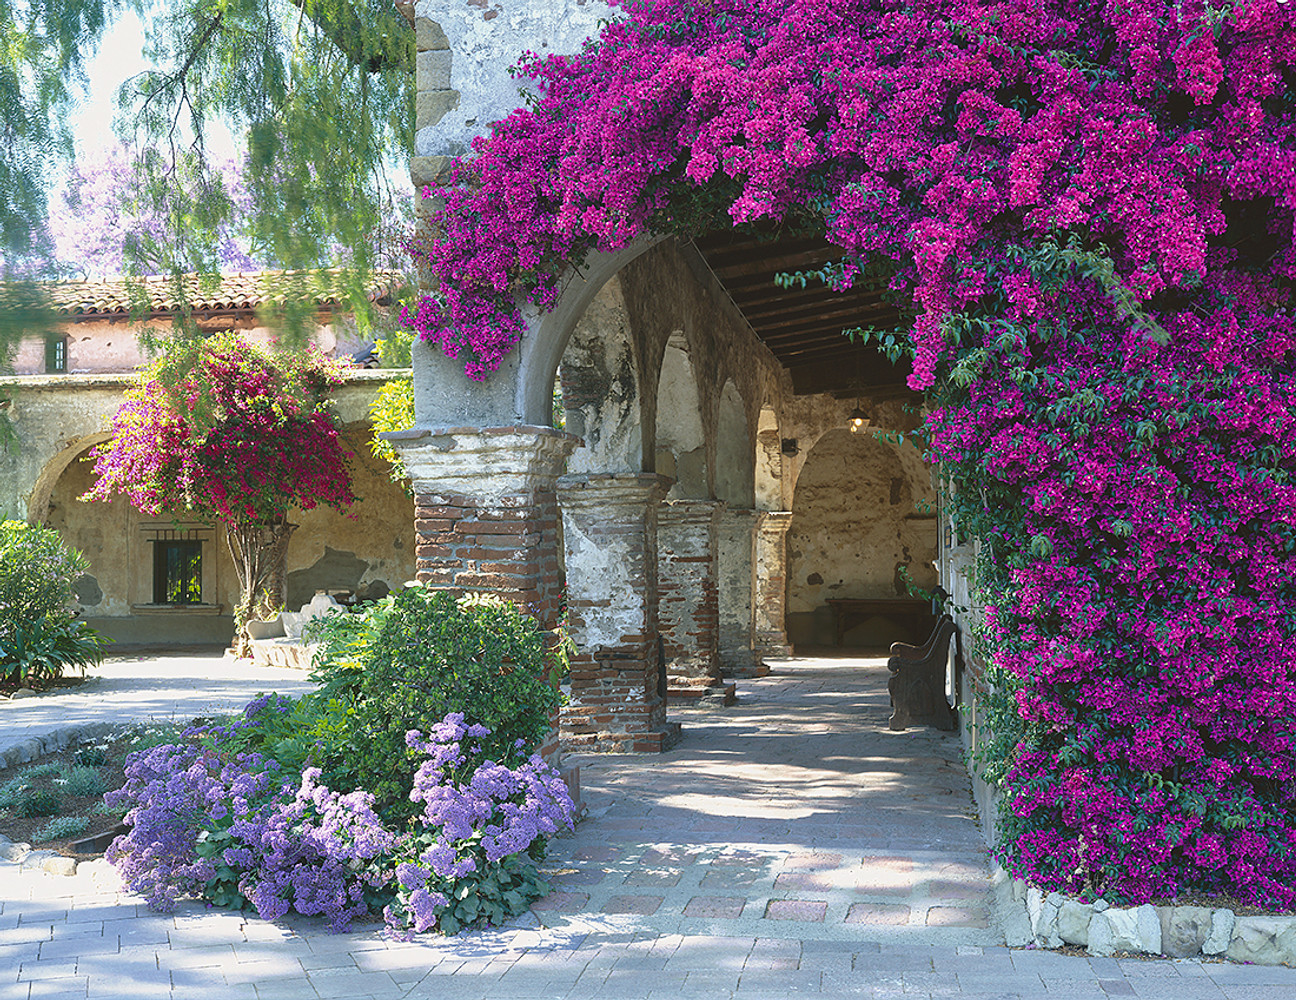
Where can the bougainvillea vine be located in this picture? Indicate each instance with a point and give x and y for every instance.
(1088, 210)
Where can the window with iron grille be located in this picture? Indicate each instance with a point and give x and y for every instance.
(177, 572)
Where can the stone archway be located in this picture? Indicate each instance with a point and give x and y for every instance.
(863, 519)
(38, 503)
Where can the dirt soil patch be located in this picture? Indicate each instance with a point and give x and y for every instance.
(67, 787)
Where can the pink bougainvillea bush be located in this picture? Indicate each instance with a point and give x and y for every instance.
(234, 434)
(1088, 210)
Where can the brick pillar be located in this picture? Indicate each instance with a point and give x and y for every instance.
(771, 582)
(486, 511)
(688, 608)
(736, 550)
(617, 683)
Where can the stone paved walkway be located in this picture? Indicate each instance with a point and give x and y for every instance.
(144, 687)
(789, 846)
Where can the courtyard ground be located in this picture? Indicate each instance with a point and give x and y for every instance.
(790, 845)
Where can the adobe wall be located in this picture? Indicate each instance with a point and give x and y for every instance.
(107, 346)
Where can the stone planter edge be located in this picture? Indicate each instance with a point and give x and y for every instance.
(1034, 918)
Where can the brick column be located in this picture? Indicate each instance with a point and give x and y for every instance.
(688, 609)
(736, 549)
(617, 682)
(486, 511)
(771, 582)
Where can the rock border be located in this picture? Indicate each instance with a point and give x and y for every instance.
(1050, 920)
(21, 854)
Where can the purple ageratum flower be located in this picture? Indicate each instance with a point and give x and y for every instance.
(492, 813)
(425, 907)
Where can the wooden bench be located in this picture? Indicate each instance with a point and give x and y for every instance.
(918, 676)
(850, 611)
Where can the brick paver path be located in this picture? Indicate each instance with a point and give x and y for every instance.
(790, 846)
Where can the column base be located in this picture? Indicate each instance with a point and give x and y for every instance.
(656, 740)
(709, 691)
(741, 663)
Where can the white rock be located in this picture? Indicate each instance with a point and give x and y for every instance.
(1117, 929)
(1102, 937)
(13, 853)
(1073, 922)
(59, 865)
(1221, 932)
(1263, 940)
(1046, 927)
(1183, 929)
(1148, 924)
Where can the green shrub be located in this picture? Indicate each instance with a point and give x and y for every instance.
(296, 732)
(11, 792)
(62, 826)
(91, 757)
(39, 636)
(37, 572)
(408, 660)
(38, 802)
(42, 650)
(79, 781)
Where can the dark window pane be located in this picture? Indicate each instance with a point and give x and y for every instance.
(177, 572)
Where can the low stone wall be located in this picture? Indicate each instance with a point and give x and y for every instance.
(1051, 920)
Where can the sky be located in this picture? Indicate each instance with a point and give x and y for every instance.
(117, 60)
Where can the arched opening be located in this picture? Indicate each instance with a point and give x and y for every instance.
(863, 527)
(735, 456)
(600, 388)
(768, 471)
(171, 580)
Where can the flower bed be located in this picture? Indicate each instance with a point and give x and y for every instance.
(378, 795)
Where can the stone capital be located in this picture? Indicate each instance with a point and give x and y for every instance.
(774, 520)
(484, 463)
(612, 489)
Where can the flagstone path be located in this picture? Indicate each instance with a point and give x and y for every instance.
(790, 845)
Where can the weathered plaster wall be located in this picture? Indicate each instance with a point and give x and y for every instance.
(863, 508)
(600, 387)
(106, 346)
(369, 549)
(466, 48)
(735, 457)
(55, 418)
(681, 440)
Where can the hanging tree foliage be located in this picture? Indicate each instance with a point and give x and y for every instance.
(322, 90)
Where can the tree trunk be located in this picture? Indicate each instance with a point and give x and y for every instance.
(260, 553)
